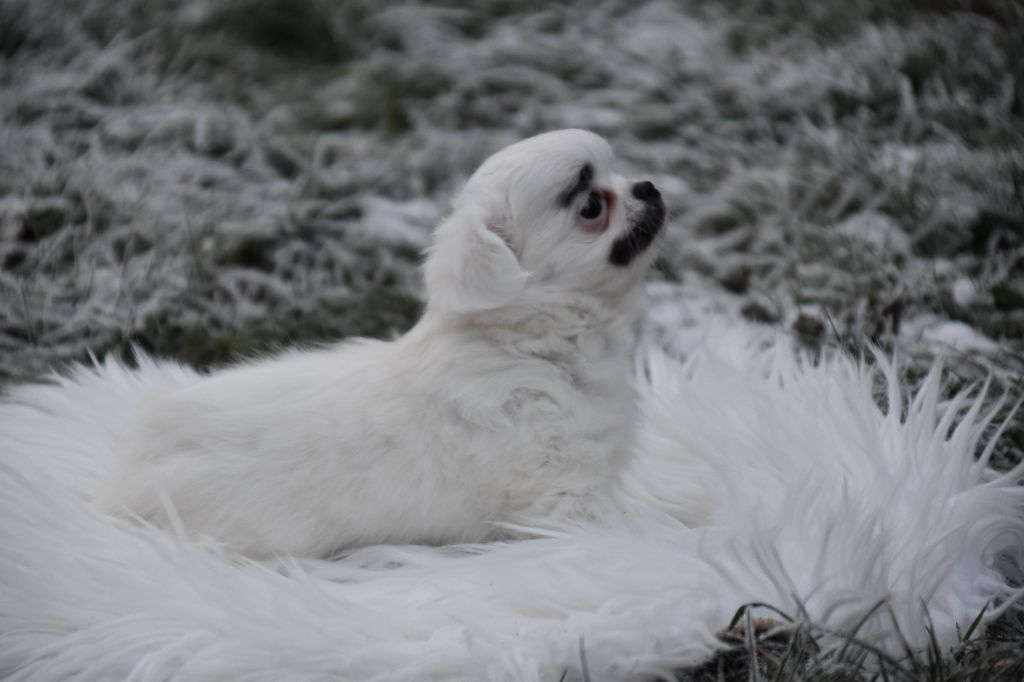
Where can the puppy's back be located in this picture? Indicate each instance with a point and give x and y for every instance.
(241, 456)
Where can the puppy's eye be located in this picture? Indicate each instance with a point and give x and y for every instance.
(593, 207)
(594, 214)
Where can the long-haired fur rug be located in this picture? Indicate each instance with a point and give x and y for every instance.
(827, 490)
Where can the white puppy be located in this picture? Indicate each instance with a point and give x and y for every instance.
(510, 401)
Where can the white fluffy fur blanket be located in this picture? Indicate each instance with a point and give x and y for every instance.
(817, 502)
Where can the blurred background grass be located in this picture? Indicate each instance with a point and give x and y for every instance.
(209, 179)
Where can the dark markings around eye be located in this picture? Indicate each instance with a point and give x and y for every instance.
(582, 184)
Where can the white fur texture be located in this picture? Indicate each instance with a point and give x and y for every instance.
(814, 495)
(509, 402)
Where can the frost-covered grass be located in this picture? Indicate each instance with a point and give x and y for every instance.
(209, 179)
(790, 649)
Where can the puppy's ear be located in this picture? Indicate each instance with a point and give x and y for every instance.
(471, 266)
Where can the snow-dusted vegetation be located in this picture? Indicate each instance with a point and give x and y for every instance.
(209, 179)
(212, 178)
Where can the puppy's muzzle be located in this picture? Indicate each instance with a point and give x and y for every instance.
(644, 228)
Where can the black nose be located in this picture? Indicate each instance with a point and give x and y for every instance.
(645, 191)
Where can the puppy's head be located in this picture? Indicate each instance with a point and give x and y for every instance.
(544, 216)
